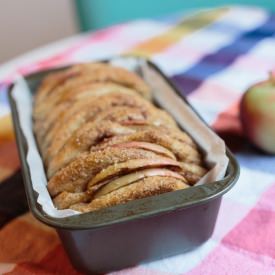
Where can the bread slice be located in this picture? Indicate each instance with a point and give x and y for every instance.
(75, 176)
(86, 110)
(48, 97)
(102, 127)
(146, 187)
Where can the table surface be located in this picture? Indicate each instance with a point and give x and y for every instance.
(213, 56)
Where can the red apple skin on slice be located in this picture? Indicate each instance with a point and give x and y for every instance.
(76, 175)
(143, 188)
(134, 164)
(135, 176)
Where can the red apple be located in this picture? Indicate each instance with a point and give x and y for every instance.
(257, 111)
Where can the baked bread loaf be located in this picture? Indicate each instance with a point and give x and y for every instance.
(104, 142)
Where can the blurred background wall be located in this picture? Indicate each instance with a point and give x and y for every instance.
(27, 24)
(100, 13)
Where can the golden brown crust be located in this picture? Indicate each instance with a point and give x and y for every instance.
(83, 93)
(93, 73)
(100, 128)
(66, 199)
(103, 95)
(182, 150)
(153, 147)
(143, 188)
(75, 176)
(42, 127)
(192, 172)
(174, 132)
(81, 141)
(87, 111)
(52, 80)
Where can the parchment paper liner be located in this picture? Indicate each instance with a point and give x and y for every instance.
(164, 96)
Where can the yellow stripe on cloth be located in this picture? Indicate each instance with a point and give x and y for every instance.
(175, 34)
(9, 161)
(6, 128)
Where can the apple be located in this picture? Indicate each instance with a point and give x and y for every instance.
(257, 113)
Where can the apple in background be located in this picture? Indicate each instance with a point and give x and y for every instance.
(257, 113)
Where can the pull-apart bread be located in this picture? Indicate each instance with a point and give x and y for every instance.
(104, 142)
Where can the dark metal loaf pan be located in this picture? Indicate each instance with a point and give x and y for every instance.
(139, 231)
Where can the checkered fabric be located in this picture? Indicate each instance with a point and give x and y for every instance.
(213, 56)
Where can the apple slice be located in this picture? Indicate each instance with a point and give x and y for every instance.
(134, 164)
(154, 135)
(160, 150)
(143, 188)
(80, 141)
(135, 176)
(75, 176)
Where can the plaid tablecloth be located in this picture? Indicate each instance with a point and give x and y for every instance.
(212, 56)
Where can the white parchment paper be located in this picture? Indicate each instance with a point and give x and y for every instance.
(23, 98)
(211, 144)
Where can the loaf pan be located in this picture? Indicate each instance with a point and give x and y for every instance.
(138, 231)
